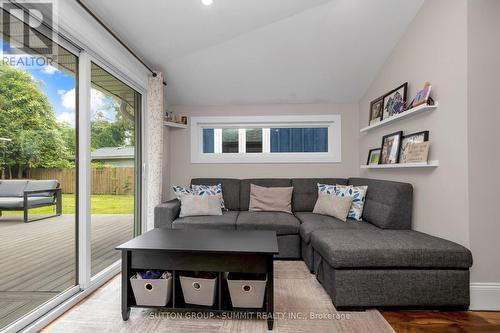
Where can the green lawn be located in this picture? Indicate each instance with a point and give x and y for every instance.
(100, 204)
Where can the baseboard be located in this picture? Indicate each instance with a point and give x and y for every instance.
(485, 296)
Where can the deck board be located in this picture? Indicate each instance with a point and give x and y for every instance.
(38, 259)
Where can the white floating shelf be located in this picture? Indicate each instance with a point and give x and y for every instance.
(402, 115)
(175, 125)
(430, 164)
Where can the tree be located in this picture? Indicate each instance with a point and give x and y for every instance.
(28, 119)
(117, 133)
(68, 135)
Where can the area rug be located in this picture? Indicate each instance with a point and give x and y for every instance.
(301, 305)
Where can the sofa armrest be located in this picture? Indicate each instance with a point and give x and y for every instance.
(166, 213)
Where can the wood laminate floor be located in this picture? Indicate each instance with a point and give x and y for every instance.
(443, 322)
(299, 299)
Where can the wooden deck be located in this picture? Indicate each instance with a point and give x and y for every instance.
(38, 259)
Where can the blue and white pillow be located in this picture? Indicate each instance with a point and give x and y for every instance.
(357, 193)
(179, 191)
(209, 190)
(328, 189)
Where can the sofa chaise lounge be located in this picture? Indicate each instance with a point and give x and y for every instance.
(377, 262)
(21, 195)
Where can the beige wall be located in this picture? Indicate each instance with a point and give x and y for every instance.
(434, 49)
(454, 45)
(180, 170)
(484, 137)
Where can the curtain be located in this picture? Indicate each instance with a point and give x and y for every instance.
(154, 135)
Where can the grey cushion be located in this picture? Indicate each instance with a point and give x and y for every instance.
(225, 221)
(230, 190)
(16, 202)
(282, 223)
(343, 248)
(266, 182)
(311, 222)
(305, 191)
(12, 188)
(388, 205)
(35, 185)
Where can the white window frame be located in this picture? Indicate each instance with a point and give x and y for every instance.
(332, 122)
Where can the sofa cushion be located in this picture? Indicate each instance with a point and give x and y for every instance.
(230, 190)
(282, 223)
(357, 194)
(225, 221)
(311, 222)
(213, 190)
(200, 205)
(12, 188)
(18, 203)
(351, 248)
(265, 182)
(270, 199)
(333, 205)
(305, 192)
(388, 205)
(35, 185)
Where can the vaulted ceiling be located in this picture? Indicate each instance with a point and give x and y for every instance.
(261, 51)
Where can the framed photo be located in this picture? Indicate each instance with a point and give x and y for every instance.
(391, 145)
(410, 139)
(422, 97)
(395, 101)
(376, 110)
(417, 152)
(373, 156)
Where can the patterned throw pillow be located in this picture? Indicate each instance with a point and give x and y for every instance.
(357, 193)
(328, 189)
(179, 191)
(209, 190)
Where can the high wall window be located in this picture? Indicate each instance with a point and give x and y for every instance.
(286, 139)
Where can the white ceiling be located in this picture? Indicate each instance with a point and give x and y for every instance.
(261, 51)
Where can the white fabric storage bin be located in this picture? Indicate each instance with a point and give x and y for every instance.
(198, 291)
(246, 293)
(152, 292)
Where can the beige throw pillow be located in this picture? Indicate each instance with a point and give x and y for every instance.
(196, 205)
(333, 205)
(270, 199)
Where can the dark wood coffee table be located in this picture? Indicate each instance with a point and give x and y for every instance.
(201, 250)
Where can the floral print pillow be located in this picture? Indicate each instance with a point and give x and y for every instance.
(179, 191)
(209, 190)
(357, 193)
(328, 189)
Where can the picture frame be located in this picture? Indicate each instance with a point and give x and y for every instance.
(395, 101)
(391, 147)
(418, 152)
(373, 156)
(423, 96)
(376, 110)
(407, 140)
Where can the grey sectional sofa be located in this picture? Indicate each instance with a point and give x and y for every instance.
(377, 262)
(21, 195)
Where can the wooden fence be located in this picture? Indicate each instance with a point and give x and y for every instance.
(104, 181)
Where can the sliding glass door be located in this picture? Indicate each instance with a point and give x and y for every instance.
(47, 127)
(115, 154)
(38, 163)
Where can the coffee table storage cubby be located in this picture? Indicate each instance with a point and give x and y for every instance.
(182, 252)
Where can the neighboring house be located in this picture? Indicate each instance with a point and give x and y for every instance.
(114, 156)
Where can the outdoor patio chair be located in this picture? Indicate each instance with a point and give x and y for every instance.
(21, 195)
